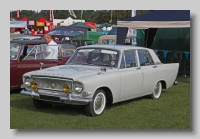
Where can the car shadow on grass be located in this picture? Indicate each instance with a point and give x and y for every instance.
(26, 104)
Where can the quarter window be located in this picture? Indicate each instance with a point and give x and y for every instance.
(145, 58)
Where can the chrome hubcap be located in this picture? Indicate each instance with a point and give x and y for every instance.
(156, 89)
(98, 103)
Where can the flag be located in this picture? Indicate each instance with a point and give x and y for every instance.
(50, 16)
(17, 13)
(81, 14)
(133, 13)
(110, 17)
(72, 13)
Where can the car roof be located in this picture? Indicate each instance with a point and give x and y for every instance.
(116, 47)
(27, 37)
(36, 42)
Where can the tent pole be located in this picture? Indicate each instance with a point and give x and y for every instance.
(147, 36)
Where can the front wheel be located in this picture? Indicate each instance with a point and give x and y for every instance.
(97, 106)
(157, 91)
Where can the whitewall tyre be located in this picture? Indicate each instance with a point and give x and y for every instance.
(157, 91)
(97, 106)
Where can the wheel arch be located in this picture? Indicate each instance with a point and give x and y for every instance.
(109, 96)
(164, 84)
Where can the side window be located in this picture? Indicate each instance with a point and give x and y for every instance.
(67, 50)
(31, 54)
(109, 42)
(122, 62)
(145, 58)
(38, 53)
(29, 48)
(130, 58)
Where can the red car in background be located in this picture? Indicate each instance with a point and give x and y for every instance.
(24, 57)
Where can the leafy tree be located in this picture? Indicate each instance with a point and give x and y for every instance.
(98, 16)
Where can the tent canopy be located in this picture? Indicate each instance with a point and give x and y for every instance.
(18, 24)
(158, 19)
(81, 25)
(151, 22)
(42, 20)
(24, 19)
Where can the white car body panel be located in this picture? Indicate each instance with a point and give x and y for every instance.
(124, 83)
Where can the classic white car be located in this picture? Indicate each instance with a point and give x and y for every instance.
(99, 74)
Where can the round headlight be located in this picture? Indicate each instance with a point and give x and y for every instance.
(78, 87)
(27, 82)
(34, 85)
(65, 88)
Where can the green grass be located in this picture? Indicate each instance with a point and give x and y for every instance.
(170, 111)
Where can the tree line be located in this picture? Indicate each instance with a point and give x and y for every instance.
(98, 16)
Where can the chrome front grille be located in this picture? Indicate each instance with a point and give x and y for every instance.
(50, 83)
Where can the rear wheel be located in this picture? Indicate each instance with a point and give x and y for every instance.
(39, 104)
(97, 106)
(157, 91)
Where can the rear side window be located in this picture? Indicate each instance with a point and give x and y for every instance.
(145, 58)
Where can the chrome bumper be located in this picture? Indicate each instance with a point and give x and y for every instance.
(67, 100)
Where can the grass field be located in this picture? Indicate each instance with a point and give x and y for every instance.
(170, 111)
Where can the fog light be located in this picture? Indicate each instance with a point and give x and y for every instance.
(34, 85)
(65, 88)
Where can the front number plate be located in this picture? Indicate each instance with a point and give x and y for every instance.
(50, 98)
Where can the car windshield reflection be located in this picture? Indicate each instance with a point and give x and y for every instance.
(97, 57)
(14, 51)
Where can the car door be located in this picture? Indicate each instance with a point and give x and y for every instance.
(32, 61)
(15, 50)
(130, 74)
(149, 69)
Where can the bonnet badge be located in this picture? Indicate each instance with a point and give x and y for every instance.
(53, 85)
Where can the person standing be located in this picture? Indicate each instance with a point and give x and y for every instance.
(52, 47)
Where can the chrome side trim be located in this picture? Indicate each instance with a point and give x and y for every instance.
(67, 100)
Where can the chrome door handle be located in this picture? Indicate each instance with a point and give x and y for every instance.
(154, 66)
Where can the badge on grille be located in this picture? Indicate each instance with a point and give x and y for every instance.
(53, 85)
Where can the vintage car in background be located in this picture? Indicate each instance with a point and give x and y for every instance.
(73, 38)
(99, 74)
(111, 40)
(82, 33)
(27, 38)
(24, 57)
